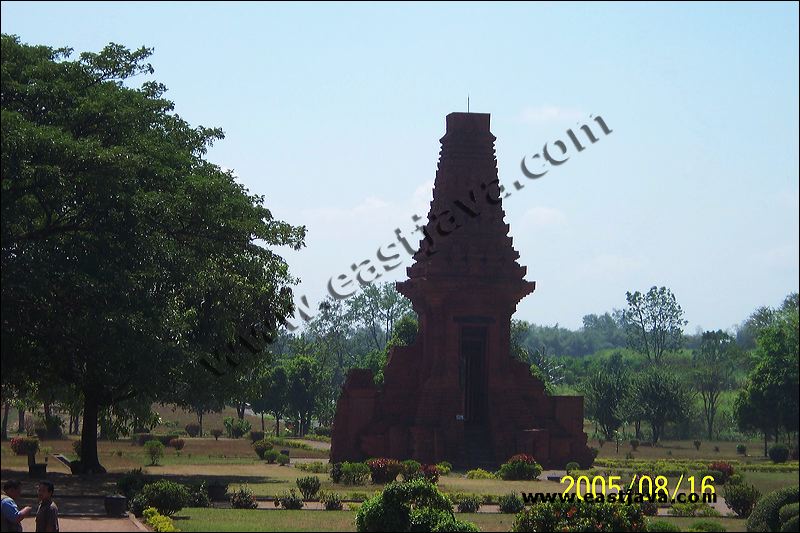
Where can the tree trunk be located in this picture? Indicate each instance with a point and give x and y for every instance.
(21, 415)
(766, 437)
(89, 459)
(262, 423)
(240, 407)
(200, 421)
(6, 409)
(277, 425)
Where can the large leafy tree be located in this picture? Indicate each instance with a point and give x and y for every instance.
(126, 256)
(769, 401)
(663, 398)
(653, 323)
(605, 391)
(713, 373)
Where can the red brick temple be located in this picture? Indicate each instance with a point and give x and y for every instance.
(456, 394)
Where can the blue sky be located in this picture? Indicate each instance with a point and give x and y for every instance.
(334, 111)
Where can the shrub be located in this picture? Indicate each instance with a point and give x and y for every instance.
(411, 469)
(791, 525)
(178, 444)
(236, 427)
(634, 444)
(216, 433)
(384, 470)
(309, 486)
(707, 525)
(315, 467)
(661, 526)
(243, 498)
(697, 444)
(694, 509)
(131, 483)
(270, 456)
(724, 467)
(520, 467)
(354, 473)
(766, 513)
(430, 473)
(469, 504)
(290, 500)
(428, 519)
(256, 435)
(198, 495)
(480, 473)
(391, 509)
(261, 447)
(741, 449)
(332, 501)
(283, 459)
(158, 522)
(572, 466)
(357, 496)
(336, 472)
(581, 516)
(154, 450)
(649, 507)
(25, 445)
(788, 511)
(511, 503)
(167, 497)
(741, 498)
(140, 438)
(444, 468)
(779, 453)
(192, 429)
(165, 439)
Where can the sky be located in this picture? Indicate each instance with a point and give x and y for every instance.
(334, 112)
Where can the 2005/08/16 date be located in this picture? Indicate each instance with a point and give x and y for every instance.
(646, 485)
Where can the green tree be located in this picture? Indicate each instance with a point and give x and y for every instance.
(714, 366)
(126, 256)
(653, 323)
(769, 401)
(605, 390)
(663, 398)
(305, 379)
(273, 396)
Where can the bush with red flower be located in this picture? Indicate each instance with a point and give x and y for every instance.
(384, 470)
(430, 473)
(520, 467)
(178, 444)
(724, 467)
(25, 446)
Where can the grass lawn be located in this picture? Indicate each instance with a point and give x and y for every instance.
(269, 520)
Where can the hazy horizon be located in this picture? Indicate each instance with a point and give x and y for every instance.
(334, 113)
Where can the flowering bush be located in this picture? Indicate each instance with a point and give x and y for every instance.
(724, 467)
(384, 470)
(192, 429)
(216, 433)
(430, 473)
(411, 469)
(480, 473)
(520, 467)
(178, 444)
(25, 445)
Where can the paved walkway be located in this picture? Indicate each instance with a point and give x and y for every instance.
(87, 524)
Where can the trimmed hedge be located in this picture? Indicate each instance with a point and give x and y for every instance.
(765, 515)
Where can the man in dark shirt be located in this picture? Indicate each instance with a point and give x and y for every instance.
(47, 514)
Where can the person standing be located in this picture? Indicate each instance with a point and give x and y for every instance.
(12, 516)
(47, 514)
